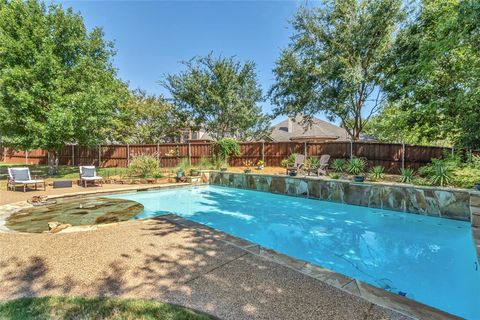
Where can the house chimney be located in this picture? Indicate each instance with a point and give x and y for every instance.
(290, 125)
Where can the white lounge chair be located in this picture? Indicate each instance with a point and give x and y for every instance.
(21, 176)
(89, 173)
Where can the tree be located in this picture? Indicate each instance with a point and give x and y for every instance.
(221, 95)
(147, 119)
(433, 80)
(57, 82)
(393, 125)
(334, 63)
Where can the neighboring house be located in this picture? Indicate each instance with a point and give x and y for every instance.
(189, 135)
(293, 129)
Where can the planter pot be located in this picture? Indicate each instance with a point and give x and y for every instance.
(179, 174)
(247, 170)
(260, 167)
(292, 173)
(194, 173)
(358, 178)
(477, 186)
(223, 169)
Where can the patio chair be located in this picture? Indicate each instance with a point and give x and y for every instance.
(87, 174)
(322, 166)
(21, 176)
(298, 165)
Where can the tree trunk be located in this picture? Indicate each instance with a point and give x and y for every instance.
(52, 162)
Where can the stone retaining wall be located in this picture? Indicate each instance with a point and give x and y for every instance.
(457, 204)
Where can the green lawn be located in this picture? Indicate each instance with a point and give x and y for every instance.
(96, 308)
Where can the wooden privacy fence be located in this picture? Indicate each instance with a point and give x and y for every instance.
(391, 156)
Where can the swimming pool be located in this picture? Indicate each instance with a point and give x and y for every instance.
(427, 259)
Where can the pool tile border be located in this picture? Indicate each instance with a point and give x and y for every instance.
(377, 296)
(449, 203)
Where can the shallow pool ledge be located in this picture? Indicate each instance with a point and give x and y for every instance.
(458, 204)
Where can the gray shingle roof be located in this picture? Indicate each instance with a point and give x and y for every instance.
(317, 129)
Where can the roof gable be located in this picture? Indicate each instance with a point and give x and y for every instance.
(296, 127)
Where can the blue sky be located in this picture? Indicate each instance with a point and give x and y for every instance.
(153, 37)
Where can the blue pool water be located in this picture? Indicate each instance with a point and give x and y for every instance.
(429, 259)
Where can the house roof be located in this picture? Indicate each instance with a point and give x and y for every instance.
(293, 128)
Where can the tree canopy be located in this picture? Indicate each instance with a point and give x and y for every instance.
(221, 95)
(145, 118)
(57, 82)
(335, 61)
(433, 81)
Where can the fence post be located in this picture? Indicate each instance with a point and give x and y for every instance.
(158, 154)
(189, 154)
(128, 154)
(99, 156)
(305, 149)
(351, 148)
(403, 155)
(73, 154)
(263, 153)
(26, 156)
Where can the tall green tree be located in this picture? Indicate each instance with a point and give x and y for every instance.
(146, 119)
(222, 95)
(334, 63)
(393, 125)
(434, 79)
(57, 82)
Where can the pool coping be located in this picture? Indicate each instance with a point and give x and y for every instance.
(363, 290)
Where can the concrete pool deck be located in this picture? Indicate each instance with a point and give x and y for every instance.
(163, 260)
(7, 196)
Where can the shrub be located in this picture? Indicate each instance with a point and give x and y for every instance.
(183, 165)
(226, 147)
(205, 163)
(356, 166)
(466, 177)
(313, 163)
(290, 161)
(442, 174)
(377, 173)
(338, 165)
(406, 175)
(334, 176)
(473, 161)
(218, 163)
(144, 166)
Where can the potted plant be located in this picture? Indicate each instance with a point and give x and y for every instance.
(247, 164)
(356, 167)
(260, 165)
(179, 173)
(194, 172)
